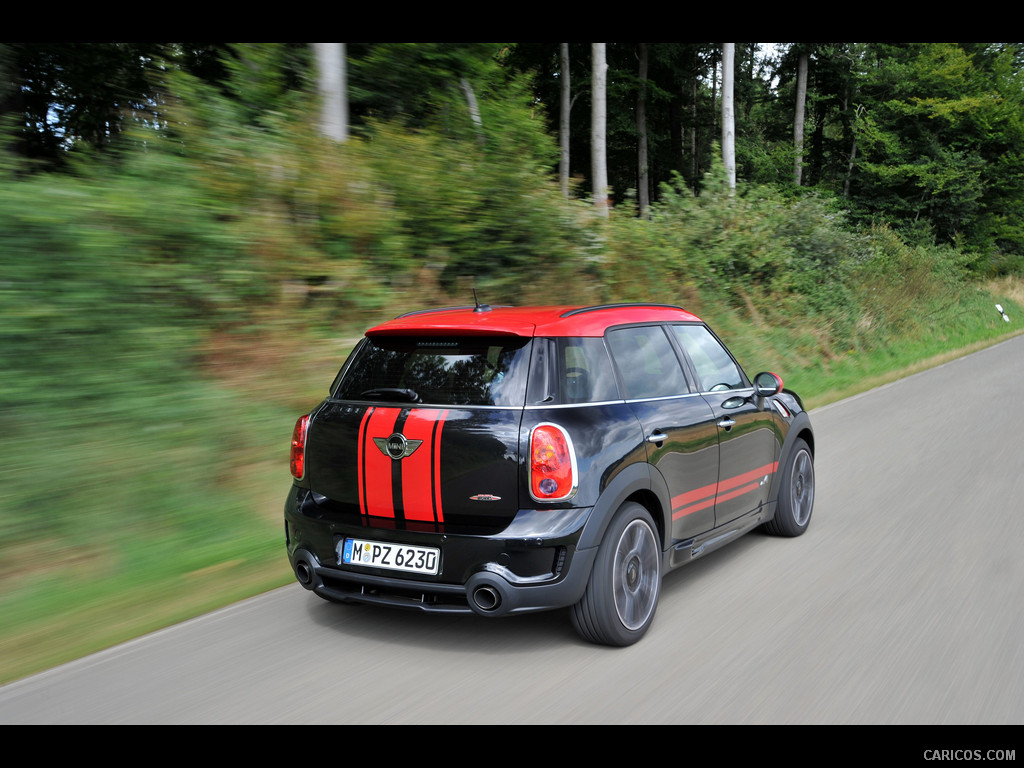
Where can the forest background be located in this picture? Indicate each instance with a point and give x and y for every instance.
(186, 259)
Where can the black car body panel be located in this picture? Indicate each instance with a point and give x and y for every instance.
(479, 461)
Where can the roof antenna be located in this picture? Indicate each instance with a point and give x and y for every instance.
(479, 307)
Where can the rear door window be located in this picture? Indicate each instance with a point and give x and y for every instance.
(647, 362)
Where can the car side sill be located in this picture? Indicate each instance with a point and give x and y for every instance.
(687, 550)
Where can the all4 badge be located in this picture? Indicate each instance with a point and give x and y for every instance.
(485, 497)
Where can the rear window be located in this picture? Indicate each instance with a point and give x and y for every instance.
(438, 371)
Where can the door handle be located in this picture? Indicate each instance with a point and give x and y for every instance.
(657, 437)
(727, 424)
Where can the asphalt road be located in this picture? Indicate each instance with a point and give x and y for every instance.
(903, 603)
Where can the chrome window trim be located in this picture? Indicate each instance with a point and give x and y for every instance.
(664, 397)
(572, 405)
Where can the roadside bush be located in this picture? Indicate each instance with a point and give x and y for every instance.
(900, 288)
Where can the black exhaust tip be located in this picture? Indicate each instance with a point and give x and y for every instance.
(304, 573)
(487, 598)
(305, 565)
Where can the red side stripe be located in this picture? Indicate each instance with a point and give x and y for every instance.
(702, 498)
(682, 512)
(704, 494)
(746, 477)
(738, 492)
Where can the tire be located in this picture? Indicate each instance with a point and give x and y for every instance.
(618, 605)
(796, 494)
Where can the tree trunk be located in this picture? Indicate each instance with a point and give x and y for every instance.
(598, 161)
(798, 121)
(563, 125)
(715, 111)
(694, 158)
(330, 58)
(728, 125)
(474, 110)
(849, 168)
(643, 194)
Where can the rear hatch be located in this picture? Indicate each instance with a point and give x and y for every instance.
(423, 433)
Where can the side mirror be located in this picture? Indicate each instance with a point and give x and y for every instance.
(767, 384)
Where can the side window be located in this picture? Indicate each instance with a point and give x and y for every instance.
(716, 370)
(585, 371)
(647, 362)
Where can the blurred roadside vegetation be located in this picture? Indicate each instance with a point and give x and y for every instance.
(170, 305)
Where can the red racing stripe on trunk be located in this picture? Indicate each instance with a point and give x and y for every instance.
(436, 463)
(417, 469)
(361, 460)
(376, 496)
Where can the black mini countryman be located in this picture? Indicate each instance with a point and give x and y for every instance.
(520, 459)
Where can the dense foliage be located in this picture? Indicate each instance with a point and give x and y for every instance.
(155, 194)
(169, 191)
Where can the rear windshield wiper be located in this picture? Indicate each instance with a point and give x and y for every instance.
(391, 393)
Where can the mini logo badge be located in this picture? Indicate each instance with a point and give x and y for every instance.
(396, 446)
(485, 497)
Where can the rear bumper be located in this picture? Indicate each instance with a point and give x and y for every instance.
(533, 565)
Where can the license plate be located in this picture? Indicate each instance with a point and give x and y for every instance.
(394, 557)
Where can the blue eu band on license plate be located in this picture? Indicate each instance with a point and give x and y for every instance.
(394, 557)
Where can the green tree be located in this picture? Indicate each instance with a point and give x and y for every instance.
(940, 138)
(63, 96)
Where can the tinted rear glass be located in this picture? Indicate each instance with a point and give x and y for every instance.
(439, 371)
(585, 371)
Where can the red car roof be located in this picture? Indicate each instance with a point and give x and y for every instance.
(530, 321)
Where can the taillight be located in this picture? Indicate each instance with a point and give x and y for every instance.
(552, 464)
(298, 457)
